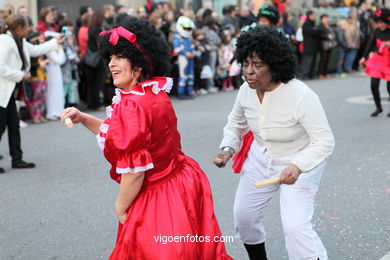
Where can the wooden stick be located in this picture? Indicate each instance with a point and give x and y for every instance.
(260, 184)
(216, 160)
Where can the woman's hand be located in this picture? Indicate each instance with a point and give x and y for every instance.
(290, 174)
(362, 61)
(222, 158)
(74, 114)
(121, 212)
(44, 63)
(27, 76)
(60, 39)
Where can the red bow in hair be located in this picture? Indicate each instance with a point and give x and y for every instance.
(379, 13)
(131, 37)
(120, 31)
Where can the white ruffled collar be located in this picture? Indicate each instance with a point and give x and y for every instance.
(157, 83)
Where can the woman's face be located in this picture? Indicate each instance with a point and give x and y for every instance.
(22, 31)
(265, 22)
(122, 71)
(257, 73)
(159, 23)
(325, 20)
(382, 25)
(49, 18)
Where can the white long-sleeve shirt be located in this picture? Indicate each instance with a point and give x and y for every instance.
(290, 121)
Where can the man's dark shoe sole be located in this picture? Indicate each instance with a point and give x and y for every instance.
(23, 165)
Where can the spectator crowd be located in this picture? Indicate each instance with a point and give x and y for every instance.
(202, 46)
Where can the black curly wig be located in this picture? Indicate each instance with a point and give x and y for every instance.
(272, 47)
(382, 15)
(155, 49)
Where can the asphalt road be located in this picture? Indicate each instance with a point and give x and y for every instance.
(64, 208)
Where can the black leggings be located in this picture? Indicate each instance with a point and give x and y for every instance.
(375, 91)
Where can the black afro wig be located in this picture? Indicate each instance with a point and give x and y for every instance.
(272, 47)
(382, 15)
(154, 48)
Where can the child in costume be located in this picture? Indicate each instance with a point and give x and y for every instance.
(376, 57)
(183, 47)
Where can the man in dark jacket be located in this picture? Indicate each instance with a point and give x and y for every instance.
(365, 32)
(311, 38)
(230, 16)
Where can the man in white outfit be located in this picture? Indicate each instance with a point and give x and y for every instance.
(286, 134)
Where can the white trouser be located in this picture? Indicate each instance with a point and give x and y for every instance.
(296, 205)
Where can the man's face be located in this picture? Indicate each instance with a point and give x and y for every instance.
(23, 11)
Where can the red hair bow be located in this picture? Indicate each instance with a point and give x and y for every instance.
(379, 13)
(121, 32)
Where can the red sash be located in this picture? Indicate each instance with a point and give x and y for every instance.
(240, 157)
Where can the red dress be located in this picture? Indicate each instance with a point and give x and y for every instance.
(140, 134)
(378, 65)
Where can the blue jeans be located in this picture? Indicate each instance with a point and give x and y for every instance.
(340, 60)
(213, 55)
(349, 59)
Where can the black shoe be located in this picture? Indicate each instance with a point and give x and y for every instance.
(377, 112)
(2, 170)
(22, 164)
(1, 157)
(388, 115)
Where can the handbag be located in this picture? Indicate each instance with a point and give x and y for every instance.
(206, 72)
(328, 44)
(92, 58)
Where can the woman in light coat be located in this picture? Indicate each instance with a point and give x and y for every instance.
(14, 68)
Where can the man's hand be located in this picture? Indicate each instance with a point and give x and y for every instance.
(290, 174)
(222, 158)
(189, 55)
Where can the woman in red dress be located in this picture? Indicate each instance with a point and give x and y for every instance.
(164, 196)
(377, 57)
